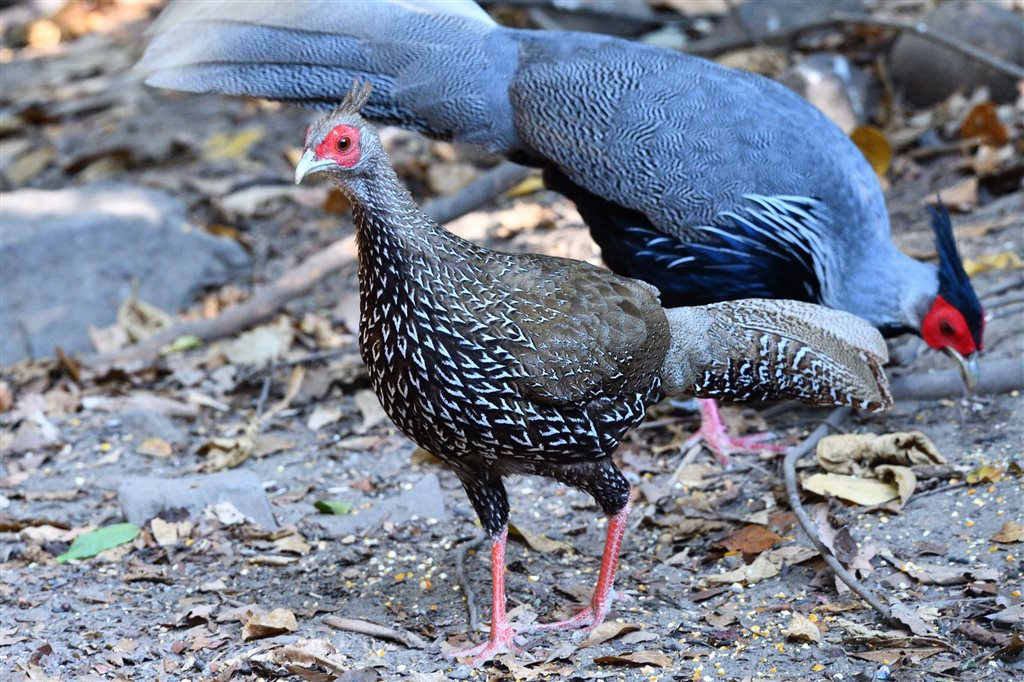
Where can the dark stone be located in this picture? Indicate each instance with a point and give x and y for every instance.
(926, 72)
(68, 259)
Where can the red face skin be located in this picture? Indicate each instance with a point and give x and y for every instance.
(341, 146)
(945, 327)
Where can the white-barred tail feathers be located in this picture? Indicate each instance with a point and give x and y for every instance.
(757, 349)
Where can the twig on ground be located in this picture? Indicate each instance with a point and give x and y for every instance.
(935, 491)
(365, 627)
(998, 376)
(1008, 311)
(266, 301)
(1003, 287)
(460, 573)
(793, 495)
(713, 46)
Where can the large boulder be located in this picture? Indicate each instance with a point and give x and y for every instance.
(69, 257)
(926, 72)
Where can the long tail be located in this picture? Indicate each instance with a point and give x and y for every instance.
(755, 349)
(441, 67)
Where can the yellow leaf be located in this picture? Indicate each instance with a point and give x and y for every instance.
(532, 184)
(875, 146)
(1003, 260)
(863, 491)
(232, 146)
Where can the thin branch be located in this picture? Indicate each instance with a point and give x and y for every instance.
(267, 301)
(922, 29)
(793, 495)
(366, 627)
(460, 573)
(1013, 283)
(713, 46)
(998, 376)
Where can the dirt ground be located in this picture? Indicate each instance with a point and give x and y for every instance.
(201, 595)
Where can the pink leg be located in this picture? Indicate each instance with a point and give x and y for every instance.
(604, 595)
(502, 634)
(712, 431)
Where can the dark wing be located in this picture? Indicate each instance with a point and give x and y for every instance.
(765, 251)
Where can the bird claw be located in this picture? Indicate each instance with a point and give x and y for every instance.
(502, 642)
(588, 618)
(722, 445)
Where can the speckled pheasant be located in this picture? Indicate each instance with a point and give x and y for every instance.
(525, 364)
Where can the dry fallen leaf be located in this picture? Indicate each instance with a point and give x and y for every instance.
(901, 476)
(322, 416)
(910, 618)
(1003, 260)
(851, 453)
(803, 628)
(750, 540)
(371, 410)
(170, 533)
(232, 145)
(276, 622)
(766, 565)
(293, 543)
(155, 447)
(875, 147)
(538, 541)
(262, 345)
(864, 491)
(270, 443)
(607, 630)
(961, 196)
(1010, 532)
(983, 121)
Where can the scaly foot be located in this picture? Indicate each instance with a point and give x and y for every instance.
(588, 618)
(714, 434)
(500, 642)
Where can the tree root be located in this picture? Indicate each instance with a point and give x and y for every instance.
(793, 495)
(997, 376)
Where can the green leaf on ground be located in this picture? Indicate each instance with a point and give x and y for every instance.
(333, 507)
(99, 540)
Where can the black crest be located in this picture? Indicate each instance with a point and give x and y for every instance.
(954, 284)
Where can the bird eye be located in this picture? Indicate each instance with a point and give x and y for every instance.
(946, 328)
(344, 144)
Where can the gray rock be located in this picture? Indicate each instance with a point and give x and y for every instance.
(143, 497)
(926, 72)
(424, 500)
(147, 424)
(69, 257)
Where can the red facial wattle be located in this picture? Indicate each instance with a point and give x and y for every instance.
(945, 327)
(341, 145)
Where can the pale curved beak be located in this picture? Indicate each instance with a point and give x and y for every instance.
(968, 367)
(309, 164)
